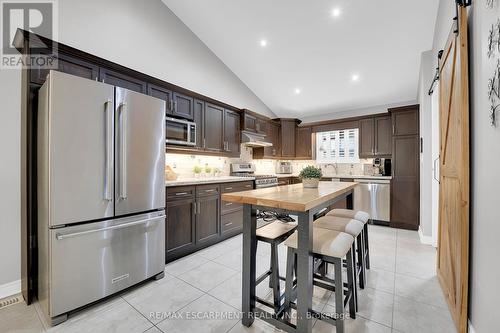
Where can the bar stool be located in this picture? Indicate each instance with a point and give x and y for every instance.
(274, 234)
(329, 246)
(360, 216)
(353, 228)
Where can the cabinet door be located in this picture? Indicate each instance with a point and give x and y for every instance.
(283, 181)
(199, 115)
(383, 136)
(288, 138)
(232, 132)
(183, 106)
(261, 126)
(366, 138)
(249, 123)
(162, 93)
(69, 65)
(405, 197)
(180, 228)
(303, 143)
(122, 80)
(207, 219)
(272, 135)
(405, 122)
(214, 120)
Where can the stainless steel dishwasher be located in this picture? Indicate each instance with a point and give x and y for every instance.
(374, 197)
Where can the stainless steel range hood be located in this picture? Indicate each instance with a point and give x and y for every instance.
(250, 139)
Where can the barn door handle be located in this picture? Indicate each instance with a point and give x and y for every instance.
(434, 172)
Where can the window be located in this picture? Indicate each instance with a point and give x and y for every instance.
(337, 146)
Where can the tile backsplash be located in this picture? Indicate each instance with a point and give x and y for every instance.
(183, 164)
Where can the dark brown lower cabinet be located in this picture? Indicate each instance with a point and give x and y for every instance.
(180, 228)
(196, 217)
(207, 219)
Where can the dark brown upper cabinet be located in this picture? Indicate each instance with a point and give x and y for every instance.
(232, 136)
(182, 106)
(273, 136)
(366, 138)
(199, 116)
(304, 143)
(288, 137)
(249, 122)
(261, 126)
(405, 120)
(162, 93)
(69, 65)
(375, 137)
(214, 128)
(121, 80)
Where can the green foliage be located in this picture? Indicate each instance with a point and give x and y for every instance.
(208, 169)
(197, 169)
(311, 171)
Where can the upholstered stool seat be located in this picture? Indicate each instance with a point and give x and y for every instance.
(331, 246)
(360, 216)
(275, 230)
(349, 213)
(355, 229)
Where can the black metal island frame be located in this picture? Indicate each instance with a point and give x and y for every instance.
(300, 201)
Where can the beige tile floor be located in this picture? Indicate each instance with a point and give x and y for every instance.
(402, 295)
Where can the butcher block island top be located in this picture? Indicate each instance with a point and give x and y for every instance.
(291, 197)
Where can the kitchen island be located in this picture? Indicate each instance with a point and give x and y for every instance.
(300, 201)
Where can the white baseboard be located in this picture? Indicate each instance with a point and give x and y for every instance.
(10, 289)
(471, 329)
(424, 239)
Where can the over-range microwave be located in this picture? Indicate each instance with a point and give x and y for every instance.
(180, 132)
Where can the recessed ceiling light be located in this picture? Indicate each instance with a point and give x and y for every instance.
(297, 91)
(263, 42)
(336, 12)
(355, 77)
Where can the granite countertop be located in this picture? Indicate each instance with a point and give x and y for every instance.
(291, 197)
(205, 180)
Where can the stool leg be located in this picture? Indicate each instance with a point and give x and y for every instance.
(275, 277)
(361, 260)
(350, 284)
(290, 263)
(367, 246)
(355, 277)
(271, 262)
(339, 297)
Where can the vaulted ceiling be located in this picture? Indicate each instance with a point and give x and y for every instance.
(312, 57)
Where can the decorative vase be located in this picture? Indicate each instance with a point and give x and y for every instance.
(310, 182)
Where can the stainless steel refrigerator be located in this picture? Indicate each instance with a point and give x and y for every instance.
(101, 191)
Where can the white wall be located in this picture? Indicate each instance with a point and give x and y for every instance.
(10, 189)
(143, 35)
(425, 121)
(485, 159)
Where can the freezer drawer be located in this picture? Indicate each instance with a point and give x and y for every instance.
(373, 197)
(91, 261)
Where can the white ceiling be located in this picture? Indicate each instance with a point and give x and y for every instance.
(309, 49)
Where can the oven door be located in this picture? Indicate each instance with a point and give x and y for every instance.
(180, 132)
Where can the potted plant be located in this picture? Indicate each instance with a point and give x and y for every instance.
(208, 170)
(310, 176)
(197, 171)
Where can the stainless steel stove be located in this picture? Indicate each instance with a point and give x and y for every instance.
(248, 170)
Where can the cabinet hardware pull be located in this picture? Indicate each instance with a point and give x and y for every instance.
(228, 224)
(228, 188)
(199, 207)
(195, 208)
(248, 186)
(175, 106)
(208, 191)
(229, 204)
(181, 193)
(204, 143)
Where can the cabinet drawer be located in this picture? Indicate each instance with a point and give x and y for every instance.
(232, 221)
(180, 192)
(236, 187)
(205, 190)
(227, 207)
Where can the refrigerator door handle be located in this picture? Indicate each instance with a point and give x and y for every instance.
(60, 236)
(109, 151)
(123, 151)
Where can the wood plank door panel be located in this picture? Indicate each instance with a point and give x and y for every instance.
(207, 219)
(214, 127)
(180, 227)
(232, 136)
(453, 234)
(303, 143)
(383, 136)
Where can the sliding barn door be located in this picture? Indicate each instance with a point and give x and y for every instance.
(453, 241)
